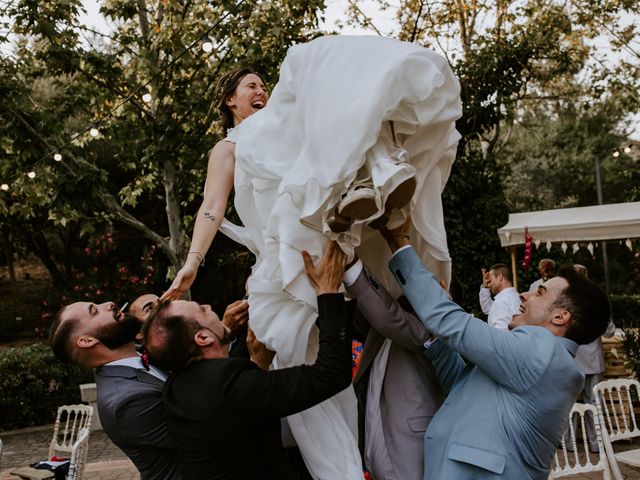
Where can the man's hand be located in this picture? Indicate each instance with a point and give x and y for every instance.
(326, 277)
(398, 237)
(486, 278)
(236, 315)
(260, 355)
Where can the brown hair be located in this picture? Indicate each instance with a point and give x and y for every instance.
(60, 336)
(169, 338)
(504, 270)
(225, 88)
(588, 305)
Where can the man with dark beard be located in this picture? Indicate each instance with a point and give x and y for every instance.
(129, 393)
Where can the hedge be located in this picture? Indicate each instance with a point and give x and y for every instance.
(33, 384)
(626, 310)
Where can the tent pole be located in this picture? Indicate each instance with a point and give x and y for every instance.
(514, 270)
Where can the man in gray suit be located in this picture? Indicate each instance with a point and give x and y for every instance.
(398, 391)
(130, 405)
(504, 417)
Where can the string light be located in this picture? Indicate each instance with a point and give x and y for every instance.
(616, 154)
(207, 44)
(627, 149)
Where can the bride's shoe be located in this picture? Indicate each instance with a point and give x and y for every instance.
(358, 203)
(338, 223)
(402, 193)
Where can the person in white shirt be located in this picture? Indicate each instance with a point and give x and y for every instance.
(547, 270)
(498, 283)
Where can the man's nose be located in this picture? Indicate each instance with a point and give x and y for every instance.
(108, 306)
(524, 296)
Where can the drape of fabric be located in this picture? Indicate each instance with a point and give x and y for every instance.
(327, 121)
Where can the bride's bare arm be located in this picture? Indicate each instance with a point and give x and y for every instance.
(209, 217)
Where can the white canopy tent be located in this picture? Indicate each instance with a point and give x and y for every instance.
(618, 221)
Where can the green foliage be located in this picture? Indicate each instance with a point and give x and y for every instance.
(33, 384)
(147, 167)
(474, 208)
(632, 348)
(626, 311)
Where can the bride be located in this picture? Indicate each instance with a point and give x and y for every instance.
(358, 131)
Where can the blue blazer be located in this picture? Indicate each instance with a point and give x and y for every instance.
(504, 417)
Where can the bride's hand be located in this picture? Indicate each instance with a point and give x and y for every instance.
(183, 281)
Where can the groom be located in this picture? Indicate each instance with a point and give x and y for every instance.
(504, 417)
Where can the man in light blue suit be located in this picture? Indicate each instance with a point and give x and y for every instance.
(504, 417)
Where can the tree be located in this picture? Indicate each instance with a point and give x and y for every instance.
(513, 59)
(146, 167)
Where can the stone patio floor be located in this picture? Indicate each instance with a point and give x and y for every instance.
(106, 462)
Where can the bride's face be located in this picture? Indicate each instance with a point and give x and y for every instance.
(249, 96)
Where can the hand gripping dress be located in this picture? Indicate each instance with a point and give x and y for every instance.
(342, 106)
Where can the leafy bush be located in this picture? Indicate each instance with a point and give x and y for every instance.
(632, 347)
(33, 384)
(626, 310)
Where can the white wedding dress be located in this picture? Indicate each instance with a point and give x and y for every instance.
(329, 116)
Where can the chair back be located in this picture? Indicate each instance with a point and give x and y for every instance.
(79, 455)
(579, 460)
(70, 420)
(615, 405)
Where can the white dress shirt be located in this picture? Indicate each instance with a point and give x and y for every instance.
(502, 308)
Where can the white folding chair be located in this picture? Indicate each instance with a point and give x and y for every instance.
(571, 462)
(79, 455)
(618, 420)
(70, 440)
(70, 420)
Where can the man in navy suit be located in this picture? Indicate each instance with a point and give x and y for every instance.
(130, 406)
(504, 417)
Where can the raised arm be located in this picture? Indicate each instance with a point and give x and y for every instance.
(216, 195)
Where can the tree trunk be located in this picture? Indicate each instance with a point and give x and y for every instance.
(8, 252)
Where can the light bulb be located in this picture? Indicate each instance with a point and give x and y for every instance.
(94, 132)
(616, 154)
(31, 174)
(207, 45)
(627, 149)
(57, 156)
(4, 187)
(147, 97)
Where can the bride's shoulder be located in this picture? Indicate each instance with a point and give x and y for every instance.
(222, 148)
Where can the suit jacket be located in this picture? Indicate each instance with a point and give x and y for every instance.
(132, 415)
(504, 417)
(224, 414)
(411, 393)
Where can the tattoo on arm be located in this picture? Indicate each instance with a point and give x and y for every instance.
(210, 216)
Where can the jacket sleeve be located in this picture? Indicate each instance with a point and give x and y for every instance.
(507, 357)
(261, 396)
(385, 314)
(447, 364)
(141, 421)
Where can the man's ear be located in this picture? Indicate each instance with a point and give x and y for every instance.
(560, 318)
(204, 338)
(86, 341)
